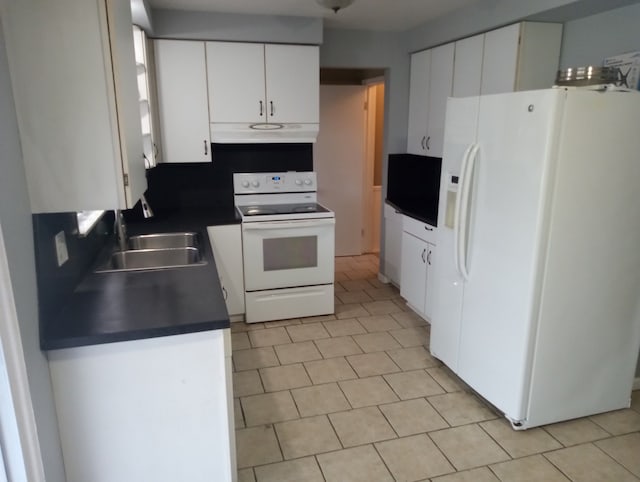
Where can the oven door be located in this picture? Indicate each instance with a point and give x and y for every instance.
(285, 254)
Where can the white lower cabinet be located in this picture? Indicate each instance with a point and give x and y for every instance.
(392, 244)
(156, 409)
(418, 251)
(226, 243)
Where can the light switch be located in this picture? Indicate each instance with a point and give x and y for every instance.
(61, 248)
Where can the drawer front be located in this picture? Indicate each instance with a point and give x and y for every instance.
(420, 230)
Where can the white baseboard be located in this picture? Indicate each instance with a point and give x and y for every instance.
(636, 384)
(383, 279)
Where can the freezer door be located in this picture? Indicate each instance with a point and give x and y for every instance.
(505, 225)
(460, 134)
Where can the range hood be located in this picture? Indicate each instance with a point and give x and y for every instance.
(263, 133)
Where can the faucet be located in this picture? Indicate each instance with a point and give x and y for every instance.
(120, 228)
(147, 212)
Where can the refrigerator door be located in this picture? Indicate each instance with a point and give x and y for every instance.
(460, 134)
(505, 231)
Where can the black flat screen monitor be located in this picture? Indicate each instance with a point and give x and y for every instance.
(413, 185)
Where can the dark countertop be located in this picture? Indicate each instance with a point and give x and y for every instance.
(124, 306)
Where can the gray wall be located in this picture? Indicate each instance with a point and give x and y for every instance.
(15, 217)
(587, 41)
(181, 24)
(375, 50)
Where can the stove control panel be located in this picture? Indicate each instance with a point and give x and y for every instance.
(274, 182)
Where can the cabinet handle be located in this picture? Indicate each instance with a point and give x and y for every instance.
(429, 258)
(428, 228)
(423, 253)
(271, 107)
(261, 109)
(155, 151)
(224, 293)
(428, 140)
(206, 149)
(422, 142)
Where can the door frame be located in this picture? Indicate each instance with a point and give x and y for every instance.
(19, 444)
(369, 162)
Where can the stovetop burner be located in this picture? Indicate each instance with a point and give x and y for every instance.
(256, 210)
(270, 209)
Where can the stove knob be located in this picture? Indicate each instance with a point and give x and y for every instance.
(245, 184)
(307, 182)
(298, 182)
(255, 183)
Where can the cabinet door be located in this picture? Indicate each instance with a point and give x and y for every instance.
(500, 60)
(127, 106)
(148, 102)
(440, 83)
(392, 244)
(429, 280)
(413, 273)
(75, 94)
(236, 79)
(467, 66)
(182, 97)
(226, 243)
(293, 83)
(418, 102)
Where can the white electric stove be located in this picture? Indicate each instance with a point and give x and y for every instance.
(288, 245)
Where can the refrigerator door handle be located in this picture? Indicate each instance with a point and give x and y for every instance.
(464, 210)
(458, 208)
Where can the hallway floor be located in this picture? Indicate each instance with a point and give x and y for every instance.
(356, 396)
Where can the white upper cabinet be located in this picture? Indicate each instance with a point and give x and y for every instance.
(522, 56)
(257, 83)
(430, 86)
(517, 57)
(467, 67)
(236, 82)
(76, 97)
(418, 102)
(183, 102)
(293, 83)
(440, 84)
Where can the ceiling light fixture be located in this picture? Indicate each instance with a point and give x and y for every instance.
(335, 5)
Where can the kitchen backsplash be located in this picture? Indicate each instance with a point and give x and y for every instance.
(56, 283)
(205, 185)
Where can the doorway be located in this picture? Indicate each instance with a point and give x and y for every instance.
(348, 155)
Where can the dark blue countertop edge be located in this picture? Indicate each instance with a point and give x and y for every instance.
(411, 214)
(143, 334)
(127, 306)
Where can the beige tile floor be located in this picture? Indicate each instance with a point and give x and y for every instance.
(357, 397)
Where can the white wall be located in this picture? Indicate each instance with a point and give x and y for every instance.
(15, 218)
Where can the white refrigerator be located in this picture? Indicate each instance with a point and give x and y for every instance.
(537, 279)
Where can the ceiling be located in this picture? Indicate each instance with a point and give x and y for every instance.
(389, 15)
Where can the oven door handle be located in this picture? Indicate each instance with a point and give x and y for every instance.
(268, 225)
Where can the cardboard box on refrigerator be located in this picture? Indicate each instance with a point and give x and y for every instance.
(629, 65)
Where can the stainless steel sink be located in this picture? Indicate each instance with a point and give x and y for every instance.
(164, 241)
(149, 259)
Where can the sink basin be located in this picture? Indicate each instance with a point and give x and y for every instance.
(149, 259)
(164, 241)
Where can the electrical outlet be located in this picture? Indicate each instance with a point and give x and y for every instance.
(61, 248)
